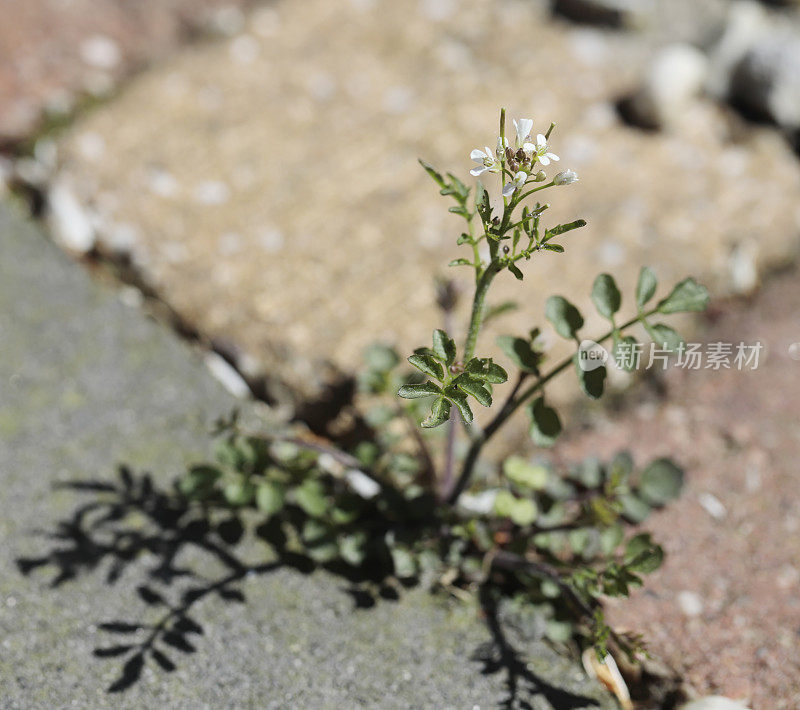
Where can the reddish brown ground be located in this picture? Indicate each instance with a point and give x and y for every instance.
(44, 58)
(738, 436)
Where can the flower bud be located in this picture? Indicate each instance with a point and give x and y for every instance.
(566, 177)
(540, 176)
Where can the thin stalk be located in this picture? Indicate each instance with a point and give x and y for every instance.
(511, 406)
(479, 308)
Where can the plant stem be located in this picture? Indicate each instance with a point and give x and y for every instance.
(512, 404)
(479, 308)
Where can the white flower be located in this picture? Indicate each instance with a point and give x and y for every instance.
(485, 160)
(541, 150)
(565, 177)
(517, 182)
(523, 128)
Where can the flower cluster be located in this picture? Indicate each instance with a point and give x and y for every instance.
(518, 162)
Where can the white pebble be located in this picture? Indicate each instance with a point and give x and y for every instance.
(69, 222)
(212, 192)
(101, 51)
(712, 505)
(227, 376)
(690, 603)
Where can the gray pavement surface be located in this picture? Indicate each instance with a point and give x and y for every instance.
(87, 384)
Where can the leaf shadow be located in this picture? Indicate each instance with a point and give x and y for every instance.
(132, 528)
(522, 685)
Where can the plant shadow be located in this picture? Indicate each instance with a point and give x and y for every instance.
(131, 518)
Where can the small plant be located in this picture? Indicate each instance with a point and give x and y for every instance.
(414, 499)
(554, 540)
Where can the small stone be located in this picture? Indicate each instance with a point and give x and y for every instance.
(230, 379)
(613, 13)
(675, 78)
(212, 192)
(712, 505)
(244, 49)
(746, 23)
(69, 221)
(767, 80)
(690, 603)
(714, 702)
(101, 52)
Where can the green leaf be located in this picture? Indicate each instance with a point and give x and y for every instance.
(239, 492)
(437, 176)
(610, 538)
(642, 554)
(474, 387)
(459, 210)
(482, 206)
(686, 297)
(646, 286)
(520, 352)
(562, 228)
(664, 336)
(227, 453)
(521, 511)
(566, 319)
(405, 565)
(427, 364)
(592, 382)
(380, 357)
(486, 370)
(199, 482)
(270, 497)
(460, 262)
(661, 482)
(515, 270)
(553, 247)
(545, 424)
(460, 400)
(525, 474)
(464, 238)
(606, 296)
(634, 508)
(310, 496)
(444, 347)
(426, 389)
(353, 548)
(440, 413)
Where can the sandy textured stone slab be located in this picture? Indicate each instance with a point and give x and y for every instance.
(724, 608)
(267, 186)
(53, 53)
(87, 384)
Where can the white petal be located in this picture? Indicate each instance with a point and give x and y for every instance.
(553, 156)
(478, 155)
(508, 189)
(525, 126)
(489, 152)
(529, 148)
(521, 177)
(541, 140)
(478, 171)
(544, 160)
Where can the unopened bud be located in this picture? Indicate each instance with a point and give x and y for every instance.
(541, 176)
(566, 177)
